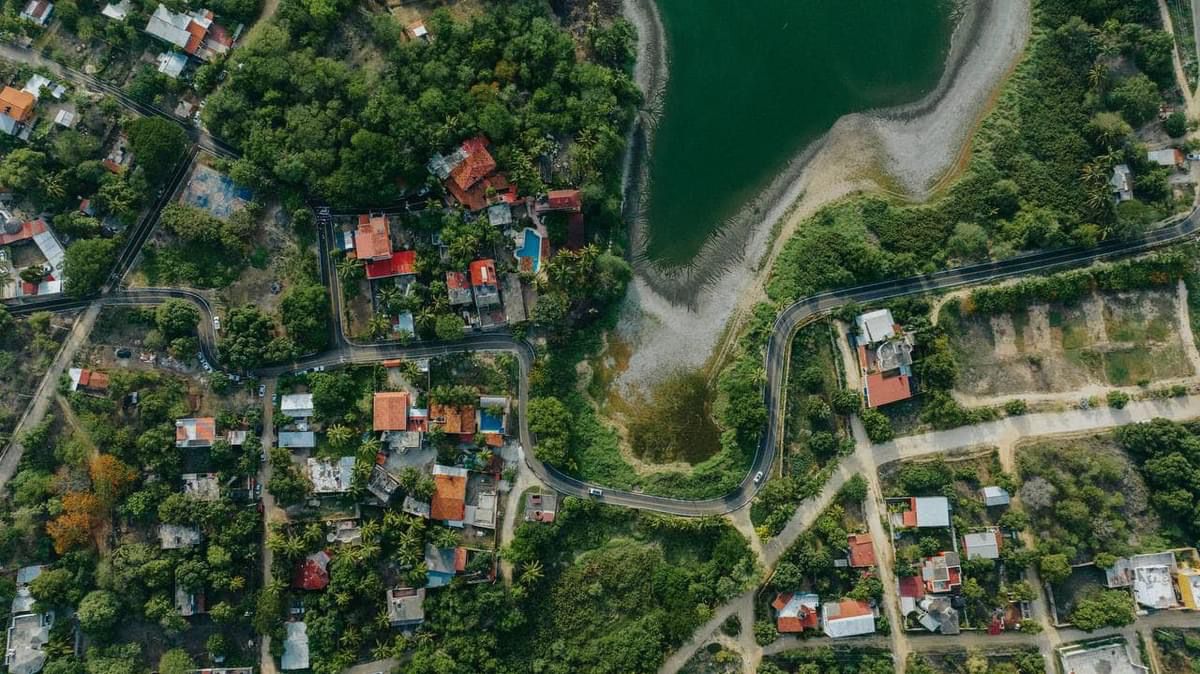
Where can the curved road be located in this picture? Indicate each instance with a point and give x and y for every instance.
(788, 321)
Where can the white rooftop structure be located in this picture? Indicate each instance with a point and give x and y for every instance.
(406, 606)
(171, 64)
(51, 249)
(1149, 576)
(295, 647)
(414, 507)
(297, 439)
(27, 638)
(329, 476)
(840, 622)
(171, 27)
(483, 514)
(982, 545)
(995, 496)
(23, 601)
(1121, 183)
(117, 11)
(236, 438)
(64, 118)
(1111, 656)
(875, 326)
(297, 405)
(799, 601)
(35, 85)
(1165, 157)
(932, 511)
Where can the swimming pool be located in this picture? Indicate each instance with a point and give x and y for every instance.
(529, 255)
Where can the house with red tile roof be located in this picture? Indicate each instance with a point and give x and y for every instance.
(373, 238)
(862, 552)
(560, 200)
(795, 612)
(847, 618)
(485, 283)
(198, 432)
(469, 174)
(391, 411)
(884, 357)
(458, 287)
(449, 502)
(401, 263)
(88, 381)
(194, 33)
(454, 419)
(312, 573)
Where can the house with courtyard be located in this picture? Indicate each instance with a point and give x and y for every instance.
(540, 507)
(1111, 655)
(456, 420)
(796, 612)
(921, 512)
(941, 573)
(884, 357)
(1149, 577)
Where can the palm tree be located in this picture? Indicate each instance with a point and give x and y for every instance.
(379, 326)
(1098, 77)
(339, 436)
(389, 298)
(531, 572)
(349, 269)
(370, 531)
(445, 538)
(382, 649)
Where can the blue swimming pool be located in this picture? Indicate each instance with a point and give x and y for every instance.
(529, 255)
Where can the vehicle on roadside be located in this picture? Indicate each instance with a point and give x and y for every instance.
(595, 493)
(123, 353)
(758, 477)
(217, 323)
(262, 390)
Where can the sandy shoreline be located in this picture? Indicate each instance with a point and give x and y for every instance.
(666, 320)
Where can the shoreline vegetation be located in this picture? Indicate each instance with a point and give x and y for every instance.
(1020, 190)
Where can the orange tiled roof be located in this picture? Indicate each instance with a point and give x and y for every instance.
(862, 553)
(391, 411)
(483, 273)
(454, 420)
(373, 240)
(885, 390)
(449, 500)
(16, 103)
(475, 167)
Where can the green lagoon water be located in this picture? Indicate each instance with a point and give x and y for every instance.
(753, 81)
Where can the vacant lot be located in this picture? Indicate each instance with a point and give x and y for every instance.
(1085, 497)
(1110, 339)
(27, 345)
(1178, 649)
(963, 661)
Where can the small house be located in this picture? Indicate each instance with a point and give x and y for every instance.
(329, 476)
(171, 64)
(16, 109)
(399, 263)
(297, 405)
(942, 572)
(484, 283)
(391, 411)
(295, 647)
(406, 606)
(862, 551)
(540, 507)
(796, 612)
(1121, 183)
(381, 484)
(995, 496)
(197, 432)
(312, 573)
(449, 495)
(847, 618)
(88, 381)
(373, 238)
(37, 11)
(177, 536)
(982, 545)
(458, 287)
(442, 564)
(1171, 157)
(924, 512)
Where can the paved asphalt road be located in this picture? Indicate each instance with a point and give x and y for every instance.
(775, 365)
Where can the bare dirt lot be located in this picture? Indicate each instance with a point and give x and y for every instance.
(1114, 339)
